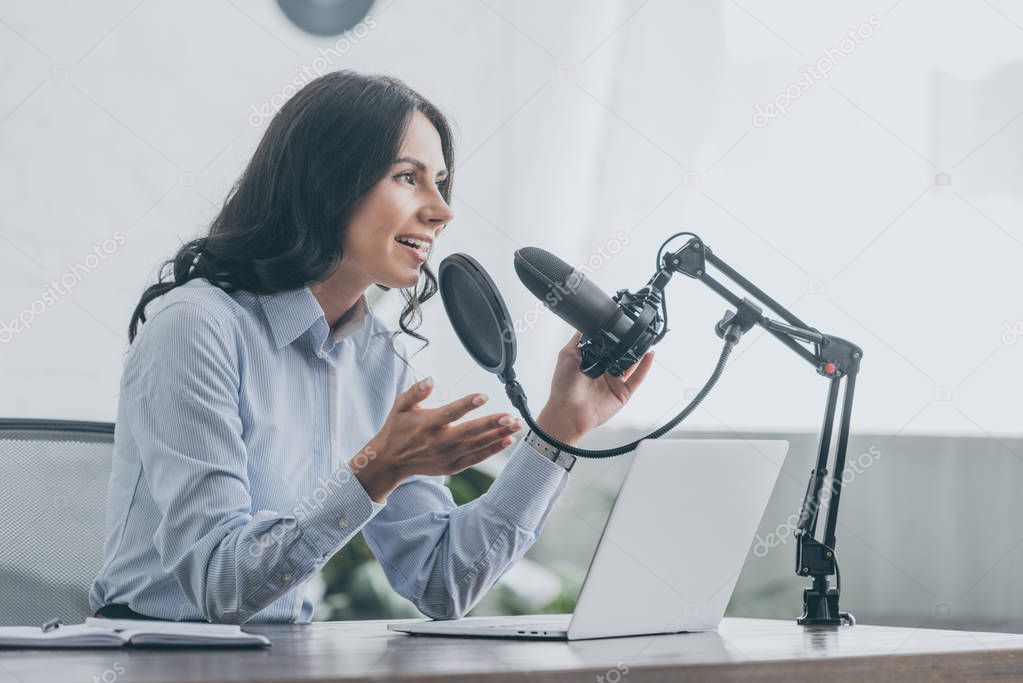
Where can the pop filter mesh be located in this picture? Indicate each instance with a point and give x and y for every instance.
(476, 312)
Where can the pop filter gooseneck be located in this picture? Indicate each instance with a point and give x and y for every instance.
(481, 321)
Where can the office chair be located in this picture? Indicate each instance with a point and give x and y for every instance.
(53, 491)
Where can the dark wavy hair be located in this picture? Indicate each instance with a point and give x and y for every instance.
(282, 224)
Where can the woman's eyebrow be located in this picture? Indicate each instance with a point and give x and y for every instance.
(420, 165)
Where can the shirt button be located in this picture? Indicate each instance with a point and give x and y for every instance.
(286, 578)
(342, 523)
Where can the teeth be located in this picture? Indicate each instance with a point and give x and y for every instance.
(422, 245)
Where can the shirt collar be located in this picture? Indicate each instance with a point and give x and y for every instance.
(352, 321)
(292, 313)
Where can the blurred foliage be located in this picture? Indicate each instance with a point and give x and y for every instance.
(773, 599)
(502, 601)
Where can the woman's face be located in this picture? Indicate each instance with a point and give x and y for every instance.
(404, 208)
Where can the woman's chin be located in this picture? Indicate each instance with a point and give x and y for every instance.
(403, 281)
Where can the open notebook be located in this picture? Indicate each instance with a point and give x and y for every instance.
(121, 632)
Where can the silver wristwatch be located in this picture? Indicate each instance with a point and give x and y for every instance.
(555, 455)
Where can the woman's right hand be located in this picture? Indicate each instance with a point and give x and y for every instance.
(416, 440)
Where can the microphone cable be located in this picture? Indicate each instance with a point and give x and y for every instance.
(664, 295)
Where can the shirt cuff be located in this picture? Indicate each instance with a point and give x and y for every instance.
(335, 511)
(524, 489)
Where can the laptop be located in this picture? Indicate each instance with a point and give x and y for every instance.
(671, 550)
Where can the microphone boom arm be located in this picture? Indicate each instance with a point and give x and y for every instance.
(835, 359)
(613, 349)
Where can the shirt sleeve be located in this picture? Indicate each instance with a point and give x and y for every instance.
(182, 391)
(444, 558)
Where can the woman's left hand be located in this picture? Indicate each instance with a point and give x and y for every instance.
(579, 403)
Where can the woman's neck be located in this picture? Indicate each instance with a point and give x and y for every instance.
(338, 294)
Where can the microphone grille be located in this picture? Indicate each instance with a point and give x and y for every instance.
(549, 265)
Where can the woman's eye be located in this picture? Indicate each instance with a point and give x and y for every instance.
(409, 177)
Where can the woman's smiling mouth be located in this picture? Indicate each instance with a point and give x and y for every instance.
(419, 248)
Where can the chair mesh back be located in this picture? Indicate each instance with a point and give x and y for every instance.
(53, 490)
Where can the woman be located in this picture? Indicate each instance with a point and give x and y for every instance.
(266, 415)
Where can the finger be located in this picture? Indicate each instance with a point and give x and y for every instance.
(488, 437)
(472, 428)
(620, 381)
(414, 395)
(635, 377)
(469, 459)
(630, 370)
(573, 343)
(457, 409)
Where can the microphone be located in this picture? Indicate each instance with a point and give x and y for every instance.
(616, 331)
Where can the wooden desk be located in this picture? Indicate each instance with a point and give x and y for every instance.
(742, 650)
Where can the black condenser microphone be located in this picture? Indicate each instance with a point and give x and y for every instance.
(616, 331)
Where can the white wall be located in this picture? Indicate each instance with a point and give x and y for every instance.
(133, 119)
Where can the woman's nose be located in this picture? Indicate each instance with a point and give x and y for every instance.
(438, 211)
(446, 215)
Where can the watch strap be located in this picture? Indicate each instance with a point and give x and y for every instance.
(555, 455)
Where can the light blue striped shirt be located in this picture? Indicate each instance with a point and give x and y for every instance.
(231, 488)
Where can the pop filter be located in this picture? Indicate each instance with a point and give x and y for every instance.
(478, 314)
